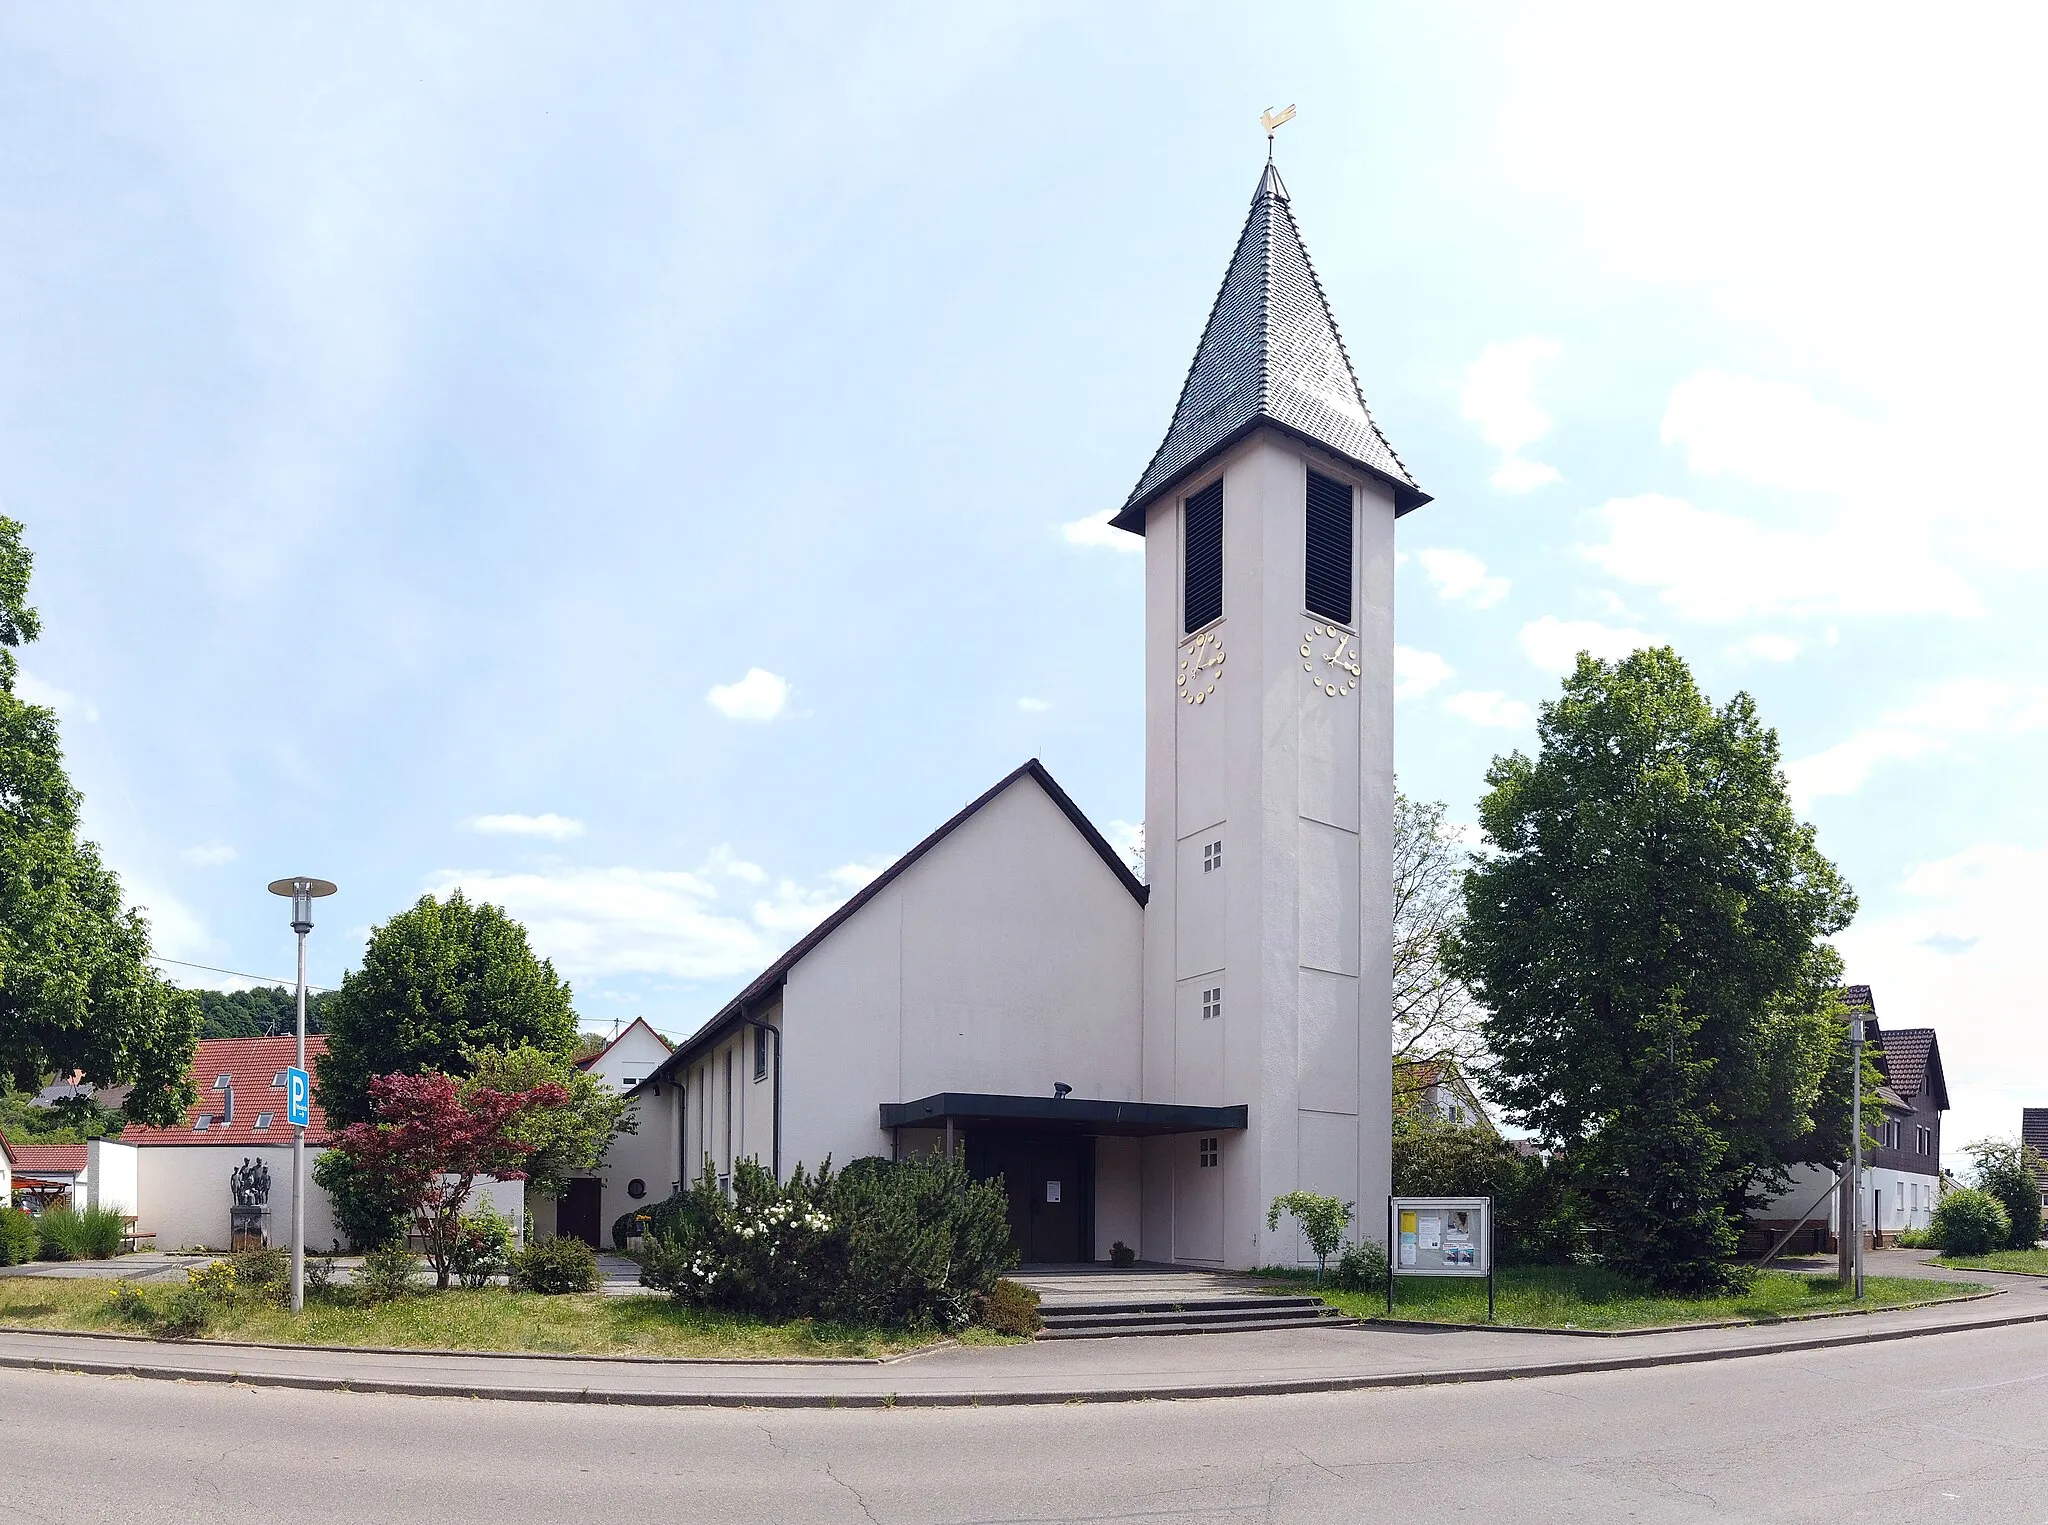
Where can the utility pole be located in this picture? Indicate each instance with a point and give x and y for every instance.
(1849, 1211)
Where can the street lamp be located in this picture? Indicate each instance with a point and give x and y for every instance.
(1856, 1151)
(302, 892)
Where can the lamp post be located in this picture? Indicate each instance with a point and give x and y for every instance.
(302, 892)
(1856, 1151)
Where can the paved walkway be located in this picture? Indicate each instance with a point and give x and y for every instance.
(617, 1276)
(1304, 1360)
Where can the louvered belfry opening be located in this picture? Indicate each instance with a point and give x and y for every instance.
(1327, 576)
(1202, 592)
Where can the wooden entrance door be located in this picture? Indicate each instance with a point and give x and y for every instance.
(1050, 1182)
(580, 1210)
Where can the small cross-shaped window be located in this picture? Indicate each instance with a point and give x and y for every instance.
(1212, 857)
(1212, 1003)
(1206, 1152)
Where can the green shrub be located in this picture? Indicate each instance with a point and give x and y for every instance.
(2005, 1168)
(556, 1265)
(365, 1207)
(187, 1313)
(1011, 1308)
(63, 1234)
(631, 1224)
(1121, 1254)
(128, 1303)
(1970, 1222)
(319, 1273)
(483, 1247)
(1915, 1239)
(20, 1240)
(265, 1275)
(215, 1281)
(1361, 1268)
(386, 1273)
(900, 1244)
(1539, 1212)
(1322, 1219)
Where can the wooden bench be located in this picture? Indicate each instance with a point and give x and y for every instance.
(132, 1237)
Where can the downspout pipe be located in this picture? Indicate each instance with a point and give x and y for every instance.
(775, 1033)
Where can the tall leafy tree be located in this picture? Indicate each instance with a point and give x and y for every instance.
(267, 1011)
(76, 989)
(1647, 937)
(567, 1138)
(440, 982)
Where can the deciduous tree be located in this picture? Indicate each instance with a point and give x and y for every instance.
(567, 1138)
(1647, 937)
(76, 989)
(430, 1140)
(1434, 1013)
(440, 982)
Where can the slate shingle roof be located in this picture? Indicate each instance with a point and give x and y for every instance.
(1270, 354)
(1913, 1063)
(2034, 1129)
(253, 1064)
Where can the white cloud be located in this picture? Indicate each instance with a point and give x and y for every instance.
(1958, 950)
(1095, 533)
(1767, 647)
(760, 695)
(551, 827)
(1128, 838)
(1034, 706)
(1417, 672)
(1775, 433)
(1554, 644)
(1491, 708)
(1960, 709)
(722, 860)
(209, 857)
(1460, 577)
(853, 876)
(1713, 566)
(175, 929)
(1499, 396)
(33, 690)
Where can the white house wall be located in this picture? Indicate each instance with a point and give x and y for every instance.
(110, 1170)
(1004, 960)
(182, 1195)
(1907, 1202)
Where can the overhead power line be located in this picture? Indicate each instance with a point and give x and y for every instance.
(261, 979)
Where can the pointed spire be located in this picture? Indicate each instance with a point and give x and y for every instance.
(1270, 354)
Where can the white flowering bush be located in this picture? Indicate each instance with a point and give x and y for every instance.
(899, 1244)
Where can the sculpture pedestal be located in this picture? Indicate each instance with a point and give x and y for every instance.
(248, 1228)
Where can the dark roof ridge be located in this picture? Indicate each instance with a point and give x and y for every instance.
(775, 973)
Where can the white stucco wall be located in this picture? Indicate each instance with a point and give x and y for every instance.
(1003, 960)
(631, 1058)
(1296, 929)
(110, 1175)
(1892, 1199)
(181, 1194)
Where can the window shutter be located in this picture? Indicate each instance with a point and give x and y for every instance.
(1202, 592)
(1327, 579)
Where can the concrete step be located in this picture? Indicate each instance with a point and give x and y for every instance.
(1064, 1306)
(1201, 1316)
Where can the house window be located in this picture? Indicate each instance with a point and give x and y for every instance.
(263, 1119)
(627, 1082)
(1212, 1003)
(1206, 1152)
(202, 1122)
(1212, 856)
(1454, 1113)
(1326, 579)
(1202, 592)
(277, 1081)
(760, 1053)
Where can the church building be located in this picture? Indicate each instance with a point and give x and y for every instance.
(1145, 1064)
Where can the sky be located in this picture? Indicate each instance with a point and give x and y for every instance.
(645, 464)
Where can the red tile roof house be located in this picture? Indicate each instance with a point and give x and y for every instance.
(48, 1175)
(179, 1177)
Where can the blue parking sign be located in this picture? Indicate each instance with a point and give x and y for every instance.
(298, 1103)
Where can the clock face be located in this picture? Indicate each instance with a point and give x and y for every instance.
(1201, 666)
(1329, 655)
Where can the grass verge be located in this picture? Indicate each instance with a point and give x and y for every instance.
(1576, 1297)
(488, 1319)
(2035, 1261)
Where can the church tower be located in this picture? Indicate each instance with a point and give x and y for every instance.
(1268, 516)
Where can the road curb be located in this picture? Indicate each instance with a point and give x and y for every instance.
(815, 1400)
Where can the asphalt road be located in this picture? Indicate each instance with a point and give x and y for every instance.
(1951, 1427)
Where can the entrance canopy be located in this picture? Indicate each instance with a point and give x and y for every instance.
(1067, 1114)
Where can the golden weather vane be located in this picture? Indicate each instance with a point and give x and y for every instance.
(1273, 121)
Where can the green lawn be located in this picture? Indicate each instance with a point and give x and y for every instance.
(2035, 1261)
(489, 1319)
(1551, 1297)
